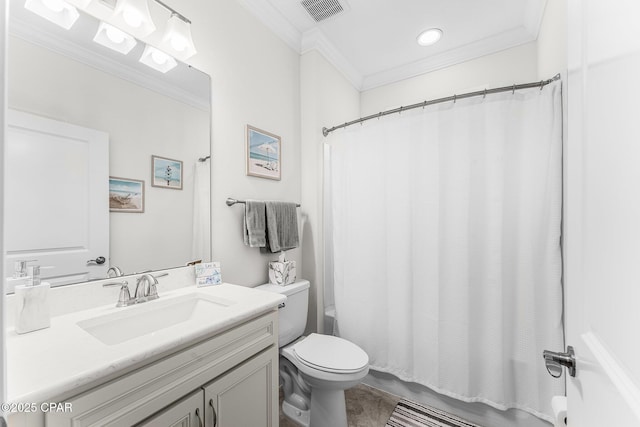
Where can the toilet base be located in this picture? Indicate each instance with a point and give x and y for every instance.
(328, 408)
(295, 414)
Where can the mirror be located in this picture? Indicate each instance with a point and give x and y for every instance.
(62, 76)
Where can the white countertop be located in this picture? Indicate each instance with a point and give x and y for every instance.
(53, 362)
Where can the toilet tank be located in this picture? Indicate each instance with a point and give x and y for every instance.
(292, 318)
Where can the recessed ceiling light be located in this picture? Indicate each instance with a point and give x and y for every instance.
(429, 37)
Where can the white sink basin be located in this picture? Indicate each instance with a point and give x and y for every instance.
(150, 317)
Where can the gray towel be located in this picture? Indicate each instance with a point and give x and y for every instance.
(254, 224)
(282, 226)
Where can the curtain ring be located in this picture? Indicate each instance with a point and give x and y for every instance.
(424, 104)
(401, 107)
(361, 121)
(454, 98)
(379, 115)
(484, 95)
(513, 90)
(541, 84)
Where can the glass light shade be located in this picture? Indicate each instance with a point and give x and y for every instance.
(80, 3)
(429, 37)
(157, 59)
(114, 38)
(134, 16)
(177, 38)
(57, 11)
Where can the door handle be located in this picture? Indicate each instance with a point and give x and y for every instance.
(554, 362)
(198, 417)
(99, 260)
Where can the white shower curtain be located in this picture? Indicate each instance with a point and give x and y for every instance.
(201, 242)
(446, 242)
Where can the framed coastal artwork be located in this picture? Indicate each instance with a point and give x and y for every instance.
(126, 195)
(263, 154)
(166, 173)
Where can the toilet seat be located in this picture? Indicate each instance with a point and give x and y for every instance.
(330, 354)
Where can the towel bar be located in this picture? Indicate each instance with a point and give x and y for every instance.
(231, 202)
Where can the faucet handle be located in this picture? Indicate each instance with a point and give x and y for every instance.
(124, 299)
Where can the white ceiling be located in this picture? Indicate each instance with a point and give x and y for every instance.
(373, 42)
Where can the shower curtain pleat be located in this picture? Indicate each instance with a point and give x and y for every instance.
(446, 244)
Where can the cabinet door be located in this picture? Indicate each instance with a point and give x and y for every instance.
(187, 412)
(245, 396)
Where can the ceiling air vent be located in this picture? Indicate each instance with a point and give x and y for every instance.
(323, 9)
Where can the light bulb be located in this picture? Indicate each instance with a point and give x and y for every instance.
(54, 5)
(132, 17)
(178, 43)
(115, 35)
(158, 57)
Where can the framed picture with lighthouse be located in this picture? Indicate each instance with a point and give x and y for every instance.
(166, 173)
(263, 154)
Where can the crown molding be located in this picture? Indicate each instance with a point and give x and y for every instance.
(316, 40)
(534, 15)
(487, 46)
(37, 35)
(273, 19)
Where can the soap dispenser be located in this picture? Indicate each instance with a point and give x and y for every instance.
(20, 276)
(32, 303)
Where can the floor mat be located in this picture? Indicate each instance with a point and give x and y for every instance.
(411, 414)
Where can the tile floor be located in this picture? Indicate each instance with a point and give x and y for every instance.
(366, 407)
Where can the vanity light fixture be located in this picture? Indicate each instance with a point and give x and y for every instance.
(134, 15)
(177, 38)
(157, 59)
(429, 37)
(57, 11)
(81, 3)
(114, 38)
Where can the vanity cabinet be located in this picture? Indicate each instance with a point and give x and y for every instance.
(185, 413)
(243, 397)
(228, 380)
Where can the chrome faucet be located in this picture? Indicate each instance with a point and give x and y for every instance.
(115, 270)
(148, 291)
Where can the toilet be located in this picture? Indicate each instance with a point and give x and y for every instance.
(315, 370)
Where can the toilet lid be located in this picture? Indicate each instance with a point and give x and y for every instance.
(332, 354)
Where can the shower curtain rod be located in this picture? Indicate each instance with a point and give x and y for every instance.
(485, 92)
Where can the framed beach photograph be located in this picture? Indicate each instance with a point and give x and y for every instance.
(166, 173)
(263, 154)
(126, 195)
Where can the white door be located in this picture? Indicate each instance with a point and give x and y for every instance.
(56, 197)
(603, 213)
